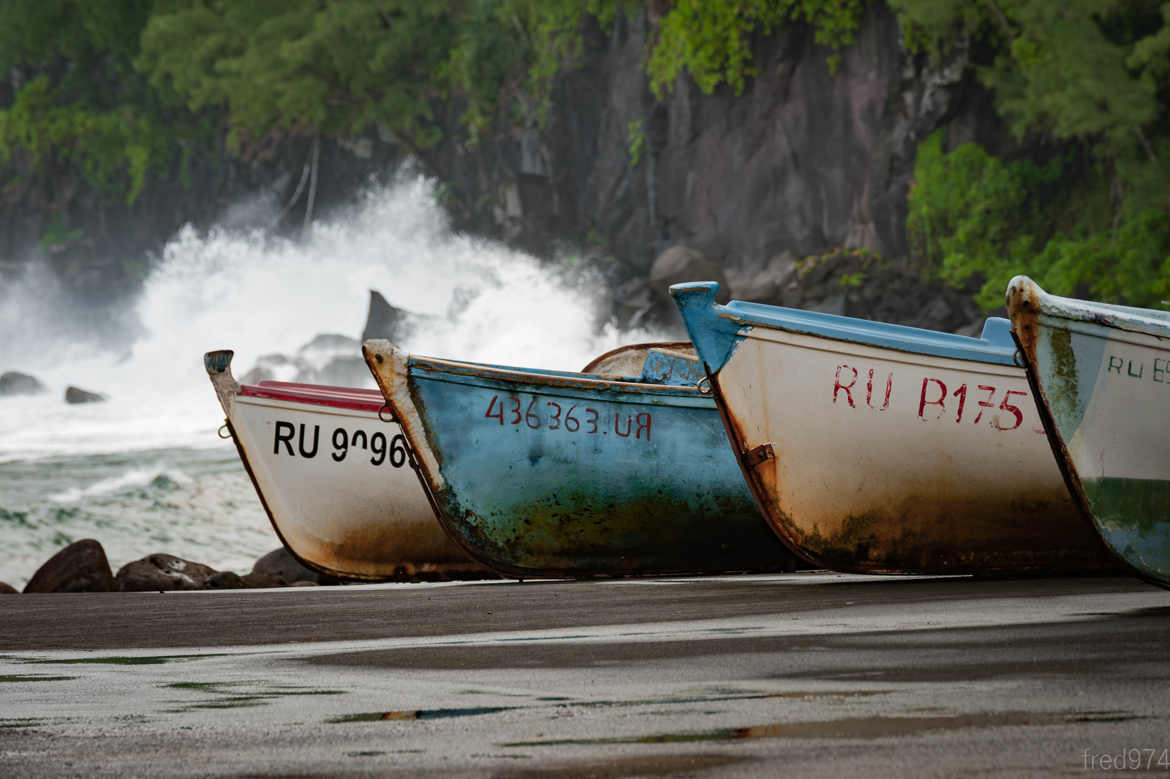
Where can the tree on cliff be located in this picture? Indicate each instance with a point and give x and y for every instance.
(1083, 86)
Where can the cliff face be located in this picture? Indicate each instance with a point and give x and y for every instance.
(805, 161)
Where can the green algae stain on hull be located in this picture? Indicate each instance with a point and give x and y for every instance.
(1131, 514)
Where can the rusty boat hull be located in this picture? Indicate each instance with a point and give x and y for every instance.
(1102, 376)
(568, 475)
(876, 448)
(335, 479)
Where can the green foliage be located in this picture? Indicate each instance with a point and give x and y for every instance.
(711, 40)
(971, 214)
(113, 150)
(57, 233)
(302, 66)
(81, 105)
(1089, 75)
(636, 140)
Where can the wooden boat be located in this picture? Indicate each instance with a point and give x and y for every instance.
(335, 479)
(878, 448)
(1102, 376)
(547, 473)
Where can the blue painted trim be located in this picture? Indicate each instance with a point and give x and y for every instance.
(995, 345)
(715, 337)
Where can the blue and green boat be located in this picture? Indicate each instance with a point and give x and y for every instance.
(544, 473)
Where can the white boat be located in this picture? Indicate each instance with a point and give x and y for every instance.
(877, 448)
(335, 478)
(1102, 375)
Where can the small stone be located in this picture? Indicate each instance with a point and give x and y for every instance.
(17, 383)
(80, 567)
(161, 572)
(279, 568)
(224, 580)
(77, 395)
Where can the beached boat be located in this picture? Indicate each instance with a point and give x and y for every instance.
(879, 448)
(1102, 376)
(335, 478)
(547, 473)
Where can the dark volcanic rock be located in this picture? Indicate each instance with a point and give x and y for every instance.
(386, 321)
(163, 572)
(78, 395)
(80, 567)
(17, 383)
(7, 589)
(279, 568)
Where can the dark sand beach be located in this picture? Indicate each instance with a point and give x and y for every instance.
(809, 674)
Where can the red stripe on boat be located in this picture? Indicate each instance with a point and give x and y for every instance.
(317, 394)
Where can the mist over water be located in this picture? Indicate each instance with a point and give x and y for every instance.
(141, 462)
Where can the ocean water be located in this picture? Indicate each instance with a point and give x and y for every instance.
(145, 471)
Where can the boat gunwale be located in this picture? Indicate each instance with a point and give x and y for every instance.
(316, 394)
(535, 376)
(886, 353)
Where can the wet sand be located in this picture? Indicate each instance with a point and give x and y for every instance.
(804, 674)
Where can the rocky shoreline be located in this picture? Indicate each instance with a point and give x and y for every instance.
(82, 566)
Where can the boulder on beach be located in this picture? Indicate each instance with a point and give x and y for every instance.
(224, 580)
(279, 568)
(17, 383)
(7, 589)
(80, 567)
(78, 395)
(161, 572)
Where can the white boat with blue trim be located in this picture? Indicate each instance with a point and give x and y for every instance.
(878, 448)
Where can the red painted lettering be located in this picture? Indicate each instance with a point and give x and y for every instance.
(961, 394)
(499, 414)
(1005, 406)
(988, 403)
(837, 385)
(869, 390)
(643, 420)
(940, 401)
(617, 428)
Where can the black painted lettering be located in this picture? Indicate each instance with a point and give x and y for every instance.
(1159, 372)
(284, 434)
(1115, 364)
(378, 448)
(353, 439)
(340, 444)
(1141, 367)
(316, 440)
